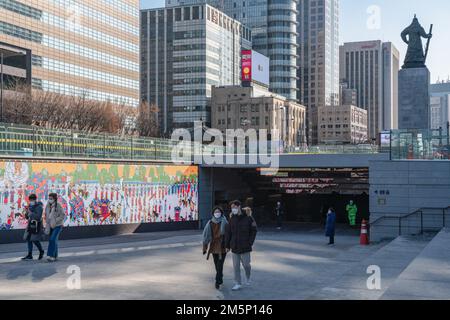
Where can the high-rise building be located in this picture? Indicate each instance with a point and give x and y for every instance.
(185, 50)
(371, 67)
(440, 105)
(79, 47)
(318, 58)
(274, 34)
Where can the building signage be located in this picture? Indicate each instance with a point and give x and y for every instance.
(246, 65)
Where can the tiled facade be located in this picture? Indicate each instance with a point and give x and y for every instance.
(342, 124)
(237, 107)
(185, 51)
(79, 47)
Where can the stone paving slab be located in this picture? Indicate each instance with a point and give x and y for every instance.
(428, 276)
(391, 258)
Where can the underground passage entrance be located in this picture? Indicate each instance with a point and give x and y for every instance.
(305, 193)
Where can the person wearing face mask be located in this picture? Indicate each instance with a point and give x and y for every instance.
(213, 237)
(54, 218)
(33, 233)
(239, 239)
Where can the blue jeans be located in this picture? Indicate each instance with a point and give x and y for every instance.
(53, 242)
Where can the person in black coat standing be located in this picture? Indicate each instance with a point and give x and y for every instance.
(279, 211)
(240, 236)
(34, 231)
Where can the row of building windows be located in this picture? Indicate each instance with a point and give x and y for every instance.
(66, 25)
(59, 44)
(75, 70)
(123, 7)
(66, 89)
(196, 70)
(97, 15)
(194, 58)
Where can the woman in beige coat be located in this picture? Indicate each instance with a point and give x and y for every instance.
(54, 219)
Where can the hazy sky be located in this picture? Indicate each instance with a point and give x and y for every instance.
(386, 20)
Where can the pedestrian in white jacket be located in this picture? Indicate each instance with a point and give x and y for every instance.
(54, 219)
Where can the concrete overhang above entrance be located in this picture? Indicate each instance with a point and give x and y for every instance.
(308, 161)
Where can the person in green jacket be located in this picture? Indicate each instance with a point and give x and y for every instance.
(352, 210)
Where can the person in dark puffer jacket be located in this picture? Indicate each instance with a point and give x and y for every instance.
(239, 239)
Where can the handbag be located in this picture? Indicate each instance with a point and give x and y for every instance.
(26, 234)
(34, 227)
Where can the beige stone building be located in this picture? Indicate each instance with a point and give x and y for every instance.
(342, 124)
(79, 47)
(235, 107)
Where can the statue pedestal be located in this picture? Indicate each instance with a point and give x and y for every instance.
(414, 98)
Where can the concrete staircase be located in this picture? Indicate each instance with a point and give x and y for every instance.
(394, 258)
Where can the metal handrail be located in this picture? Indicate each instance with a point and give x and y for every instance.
(419, 211)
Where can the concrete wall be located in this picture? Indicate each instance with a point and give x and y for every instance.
(398, 188)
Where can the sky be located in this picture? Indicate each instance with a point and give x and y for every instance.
(385, 19)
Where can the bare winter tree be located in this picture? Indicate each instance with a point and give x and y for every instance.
(56, 111)
(147, 123)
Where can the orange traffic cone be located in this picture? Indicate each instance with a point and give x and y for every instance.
(364, 240)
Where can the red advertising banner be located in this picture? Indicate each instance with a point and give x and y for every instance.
(246, 65)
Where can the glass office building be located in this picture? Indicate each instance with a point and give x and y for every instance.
(79, 47)
(318, 58)
(185, 51)
(274, 31)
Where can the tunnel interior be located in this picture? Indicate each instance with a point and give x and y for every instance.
(306, 193)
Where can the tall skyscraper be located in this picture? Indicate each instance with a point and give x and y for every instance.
(318, 58)
(79, 47)
(371, 67)
(274, 34)
(185, 51)
(440, 105)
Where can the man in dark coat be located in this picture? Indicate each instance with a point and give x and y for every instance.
(240, 236)
(331, 225)
(34, 231)
(279, 211)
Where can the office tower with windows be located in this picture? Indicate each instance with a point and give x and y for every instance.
(371, 67)
(318, 58)
(79, 47)
(185, 51)
(440, 106)
(274, 34)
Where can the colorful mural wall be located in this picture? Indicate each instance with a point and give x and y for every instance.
(100, 194)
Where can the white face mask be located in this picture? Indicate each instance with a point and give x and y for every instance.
(218, 215)
(235, 211)
(51, 201)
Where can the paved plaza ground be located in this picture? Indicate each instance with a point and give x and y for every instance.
(291, 264)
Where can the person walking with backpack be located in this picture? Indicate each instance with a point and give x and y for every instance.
(214, 242)
(239, 239)
(54, 218)
(34, 231)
